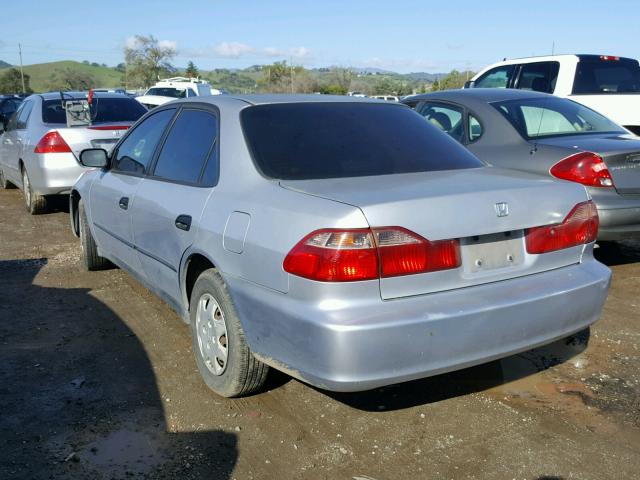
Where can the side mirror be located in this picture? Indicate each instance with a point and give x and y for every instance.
(94, 157)
(469, 84)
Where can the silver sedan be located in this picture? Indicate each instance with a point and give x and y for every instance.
(39, 149)
(344, 241)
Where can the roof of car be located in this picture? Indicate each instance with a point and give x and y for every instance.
(483, 95)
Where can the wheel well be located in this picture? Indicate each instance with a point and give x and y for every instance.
(21, 165)
(195, 266)
(74, 200)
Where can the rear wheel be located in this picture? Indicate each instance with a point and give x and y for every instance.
(35, 203)
(4, 183)
(223, 357)
(90, 258)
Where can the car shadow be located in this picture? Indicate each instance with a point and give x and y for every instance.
(618, 253)
(78, 394)
(469, 380)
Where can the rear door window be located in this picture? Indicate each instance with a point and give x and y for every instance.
(136, 151)
(303, 141)
(499, 77)
(611, 75)
(188, 147)
(539, 76)
(475, 128)
(23, 115)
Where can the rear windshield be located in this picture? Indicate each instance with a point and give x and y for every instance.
(303, 141)
(167, 92)
(103, 110)
(607, 76)
(550, 117)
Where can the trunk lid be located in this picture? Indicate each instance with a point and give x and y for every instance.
(460, 204)
(621, 154)
(94, 136)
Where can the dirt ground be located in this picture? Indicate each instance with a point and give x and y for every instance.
(97, 381)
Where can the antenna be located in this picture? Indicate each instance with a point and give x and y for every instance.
(553, 47)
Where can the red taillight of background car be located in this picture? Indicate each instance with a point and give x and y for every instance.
(578, 228)
(586, 168)
(365, 254)
(52, 142)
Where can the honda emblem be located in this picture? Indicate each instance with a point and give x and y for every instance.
(502, 209)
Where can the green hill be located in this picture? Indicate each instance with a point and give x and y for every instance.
(42, 74)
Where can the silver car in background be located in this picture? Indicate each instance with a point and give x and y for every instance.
(344, 241)
(540, 133)
(39, 152)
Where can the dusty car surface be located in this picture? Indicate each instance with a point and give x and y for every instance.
(39, 149)
(344, 241)
(539, 133)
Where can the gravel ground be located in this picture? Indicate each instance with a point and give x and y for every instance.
(97, 381)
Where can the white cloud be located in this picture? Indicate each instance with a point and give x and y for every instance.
(168, 44)
(299, 53)
(233, 49)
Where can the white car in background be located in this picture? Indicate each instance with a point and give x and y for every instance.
(177, 87)
(605, 83)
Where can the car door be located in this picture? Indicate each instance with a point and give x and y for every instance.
(113, 193)
(498, 77)
(13, 142)
(169, 202)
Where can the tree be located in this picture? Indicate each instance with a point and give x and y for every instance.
(282, 78)
(146, 59)
(69, 79)
(453, 80)
(11, 82)
(192, 71)
(341, 77)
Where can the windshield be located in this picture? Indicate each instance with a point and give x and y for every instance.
(103, 110)
(167, 92)
(548, 117)
(303, 141)
(607, 76)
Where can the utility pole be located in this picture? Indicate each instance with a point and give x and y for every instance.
(21, 71)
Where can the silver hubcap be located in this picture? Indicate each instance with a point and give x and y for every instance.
(211, 331)
(27, 189)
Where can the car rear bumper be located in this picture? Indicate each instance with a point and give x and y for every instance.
(359, 345)
(54, 173)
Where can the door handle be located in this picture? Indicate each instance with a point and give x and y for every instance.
(124, 203)
(183, 222)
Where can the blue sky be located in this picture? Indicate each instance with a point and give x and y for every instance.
(405, 35)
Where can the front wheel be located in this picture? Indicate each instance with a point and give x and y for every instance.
(35, 203)
(223, 357)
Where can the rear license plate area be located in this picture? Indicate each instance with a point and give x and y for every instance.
(492, 252)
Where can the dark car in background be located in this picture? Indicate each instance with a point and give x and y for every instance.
(8, 105)
(540, 133)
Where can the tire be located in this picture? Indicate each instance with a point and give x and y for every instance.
(4, 183)
(214, 323)
(36, 204)
(90, 259)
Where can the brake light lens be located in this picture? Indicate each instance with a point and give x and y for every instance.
(586, 168)
(578, 228)
(52, 142)
(403, 252)
(608, 58)
(367, 254)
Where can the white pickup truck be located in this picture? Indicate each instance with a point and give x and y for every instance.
(605, 83)
(177, 87)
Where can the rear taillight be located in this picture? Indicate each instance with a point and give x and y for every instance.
(403, 252)
(367, 254)
(586, 168)
(52, 142)
(578, 228)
